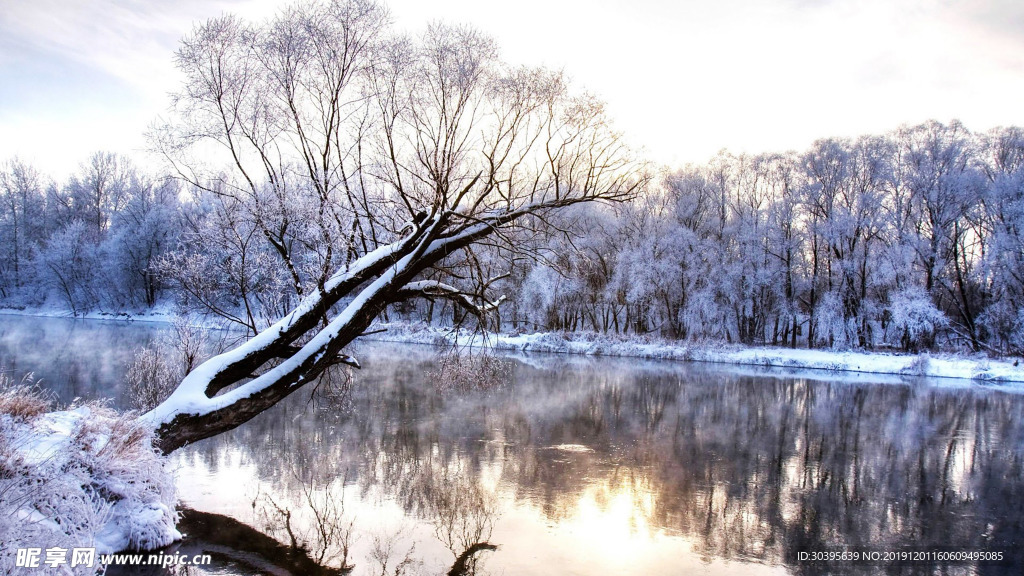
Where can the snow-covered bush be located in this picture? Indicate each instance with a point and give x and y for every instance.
(544, 293)
(703, 318)
(914, 319)
(1004, 324)
(150, 378)
(85, 477)
(156, 371)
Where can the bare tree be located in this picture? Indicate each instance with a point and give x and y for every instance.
(21, 207)
(100, 189)
(413, 151)
(944, 187)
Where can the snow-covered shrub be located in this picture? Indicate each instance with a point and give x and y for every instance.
(155, 371)
(703, 318)
(913, 319)
(540, 290)
(22, 401)
(918, 366)
(1016, 335)
(79, 478)
(150, 379)
(1004, 324)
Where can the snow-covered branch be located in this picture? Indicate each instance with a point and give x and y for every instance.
(429, 289)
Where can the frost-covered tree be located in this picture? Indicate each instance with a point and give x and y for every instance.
(651, 271)
(99, 190)
(412, 151)
(66, 265)
(141, 233)
(844, 196)
(784, 241)
(222, 265)
(695, 217)
(941, 181)
(21, 223)
(1003, 208)
(913, 319)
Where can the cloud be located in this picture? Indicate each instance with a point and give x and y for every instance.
(133, 40)
(683, 77)
(127, 39)
(1003, 17)
(96, 72)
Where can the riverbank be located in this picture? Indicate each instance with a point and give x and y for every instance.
(84, 478)
(161, 313)
(978, 367)
(974, 367)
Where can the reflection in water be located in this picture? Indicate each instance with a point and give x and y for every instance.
(234, 547)
(636, 467)
(324, 535)
(581, 466)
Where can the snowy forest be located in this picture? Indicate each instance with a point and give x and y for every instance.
(300, 144)
(911, 240)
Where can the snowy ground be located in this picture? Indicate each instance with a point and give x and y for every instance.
(84, 477)
(159, 313)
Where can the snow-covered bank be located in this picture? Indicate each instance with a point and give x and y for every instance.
(977, 367)
(162, 314)
(84, 477)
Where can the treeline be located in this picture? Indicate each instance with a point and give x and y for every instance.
(89, 243)
(910, 240)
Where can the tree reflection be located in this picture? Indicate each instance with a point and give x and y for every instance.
(313, 521)
(746, 467)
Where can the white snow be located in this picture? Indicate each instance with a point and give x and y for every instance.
(83, 477)
(975, 367)
(190, 396)
(161, 313)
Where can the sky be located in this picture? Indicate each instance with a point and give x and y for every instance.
(682, 79)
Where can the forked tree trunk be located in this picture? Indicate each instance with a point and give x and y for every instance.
(298, 348)
(428, 118)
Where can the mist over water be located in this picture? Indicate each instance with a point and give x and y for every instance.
(576, 465)
(75, 358)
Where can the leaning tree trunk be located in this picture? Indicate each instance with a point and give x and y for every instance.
(231, 388)
(442, 133)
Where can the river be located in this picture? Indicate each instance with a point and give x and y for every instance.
(573, 465)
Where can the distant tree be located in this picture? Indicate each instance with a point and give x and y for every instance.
(846, 187)
(696, 214)
(222, 266)
(66, 265)
(142, 232)
(21, 211)
(1003, 226)
(99, 190)
(943, 185)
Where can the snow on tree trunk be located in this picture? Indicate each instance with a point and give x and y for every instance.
(389, 158)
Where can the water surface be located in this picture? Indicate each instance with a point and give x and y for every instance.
(580, 465)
